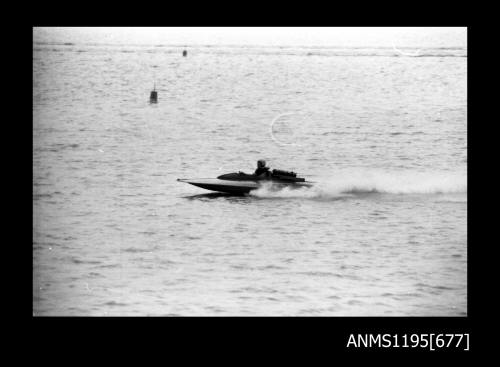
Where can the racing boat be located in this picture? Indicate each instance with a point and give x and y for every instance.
(241, 183)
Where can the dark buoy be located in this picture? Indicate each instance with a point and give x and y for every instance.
(153, 98)
(184, 53)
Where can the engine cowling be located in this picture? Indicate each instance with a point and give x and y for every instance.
(279, 172)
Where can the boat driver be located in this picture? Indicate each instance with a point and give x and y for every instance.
(261, 168)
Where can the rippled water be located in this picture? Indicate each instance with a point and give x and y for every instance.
(384, 134)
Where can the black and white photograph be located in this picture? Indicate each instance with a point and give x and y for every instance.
(250, 171)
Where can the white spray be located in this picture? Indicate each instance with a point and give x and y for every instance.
(348, 182)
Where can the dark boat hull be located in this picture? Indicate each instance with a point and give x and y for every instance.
(239, 187)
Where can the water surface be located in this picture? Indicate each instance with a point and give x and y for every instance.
(384, 134)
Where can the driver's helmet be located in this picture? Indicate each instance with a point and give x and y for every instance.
(261, 163)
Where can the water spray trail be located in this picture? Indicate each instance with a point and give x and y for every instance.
(354, 182)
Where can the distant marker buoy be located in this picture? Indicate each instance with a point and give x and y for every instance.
(153, 98)
(184, 53)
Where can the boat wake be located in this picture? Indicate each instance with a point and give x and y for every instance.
(349, 183)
